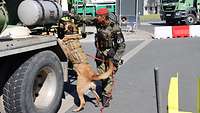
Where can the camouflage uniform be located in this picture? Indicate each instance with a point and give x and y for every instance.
(110, 44)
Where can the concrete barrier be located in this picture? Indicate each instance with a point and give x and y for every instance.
(163, 32)
(195, 30)
(185, 31)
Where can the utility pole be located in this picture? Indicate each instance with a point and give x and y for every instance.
(137, 13)
(84, 14)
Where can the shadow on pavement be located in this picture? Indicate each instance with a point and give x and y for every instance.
(70, 88)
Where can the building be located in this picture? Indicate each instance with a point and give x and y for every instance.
(129, 7)
(151, 7)
(128, 12)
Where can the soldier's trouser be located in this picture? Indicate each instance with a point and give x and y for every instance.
(107, 84)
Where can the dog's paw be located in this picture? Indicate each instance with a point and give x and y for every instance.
(78, 109)
(75, 110)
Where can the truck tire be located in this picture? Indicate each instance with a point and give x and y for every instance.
(36, 86)
(170, 22)
(191, 19)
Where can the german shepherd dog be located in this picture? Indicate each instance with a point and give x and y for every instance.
(86, 75)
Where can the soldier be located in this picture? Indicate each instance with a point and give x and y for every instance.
(110, 44)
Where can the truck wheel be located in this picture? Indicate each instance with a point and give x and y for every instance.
(36, 86)
(191, 19)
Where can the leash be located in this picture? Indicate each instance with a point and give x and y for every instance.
(113, 78)
(94, 57)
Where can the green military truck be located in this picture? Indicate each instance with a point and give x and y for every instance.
(92, 5)
(32, 64)
(180, 11)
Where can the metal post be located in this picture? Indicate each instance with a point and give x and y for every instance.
(137, 13)
(120, 11)
(156, 76)
(84, 14)
(198, 96)
(117, 10)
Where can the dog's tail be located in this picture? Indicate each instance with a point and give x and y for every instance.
(106, 74)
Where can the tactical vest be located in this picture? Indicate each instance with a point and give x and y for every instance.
(104, 38)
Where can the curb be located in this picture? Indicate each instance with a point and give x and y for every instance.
(139, 34)
(183, 31)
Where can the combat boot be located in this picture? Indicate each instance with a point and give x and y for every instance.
(106, 100)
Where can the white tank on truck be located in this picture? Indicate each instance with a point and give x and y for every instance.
(32, 67)
(3, 16)
(33, 12)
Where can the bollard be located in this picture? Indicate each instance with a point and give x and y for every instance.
(198, 96)
(181, 31)
(156, 77)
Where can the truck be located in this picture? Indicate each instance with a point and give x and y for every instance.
(90, 6)
(33, 67)
(180, 11)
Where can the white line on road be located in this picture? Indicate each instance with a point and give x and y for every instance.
(1, 105)
(134, 51)
(68, 102)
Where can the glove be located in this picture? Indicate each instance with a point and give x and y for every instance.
(115, 62)
(84, 35)
(111, 53)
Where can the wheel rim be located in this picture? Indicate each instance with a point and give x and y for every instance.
(190, 20)
(44, 88)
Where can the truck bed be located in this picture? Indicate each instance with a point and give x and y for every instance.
(15, 46)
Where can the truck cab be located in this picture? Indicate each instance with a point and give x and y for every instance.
(180, 11)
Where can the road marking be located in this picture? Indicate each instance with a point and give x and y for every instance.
(173, 96)
(198, 95)
(134, 51)
(68, 102)
(1, 105)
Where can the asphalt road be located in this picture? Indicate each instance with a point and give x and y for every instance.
(134, 90)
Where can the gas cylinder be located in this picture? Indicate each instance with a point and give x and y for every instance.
(39, 12)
